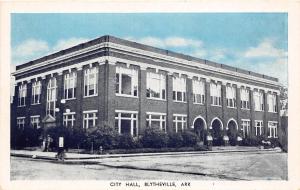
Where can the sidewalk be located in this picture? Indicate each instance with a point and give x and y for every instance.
(76, 157)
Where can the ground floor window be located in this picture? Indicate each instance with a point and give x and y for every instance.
(35, 121)
(245, 128)
(258, 128)
(21, 122)
(69, 119)
(179, 122)
(126, 122)
(272, 129)
(156, 120)
(90, 119)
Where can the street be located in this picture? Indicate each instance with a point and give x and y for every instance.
(212, 166)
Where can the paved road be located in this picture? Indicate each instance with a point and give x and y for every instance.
(219, 166)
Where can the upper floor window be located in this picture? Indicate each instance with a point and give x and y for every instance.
(126, 123)
(156, 85)
(51, 96)
(245, 98)
(179, 89)
(21, 122)
(35, 121)
(90, 119)
(91, 82)
(198, 91)
(156, 120)
(215, 93)
(36, 92)
(258, 128)
(22, 94)
(126, 81)
(231, 96)
(258, 101)
(272, 102)
(70, 85)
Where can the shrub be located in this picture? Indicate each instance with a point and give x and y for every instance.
(126, 141)
(190, 138)
(29, 137)
(78, 139)
(154, 138)
(175, 140)
(104, 136)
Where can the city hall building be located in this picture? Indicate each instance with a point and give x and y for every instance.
(129, 86)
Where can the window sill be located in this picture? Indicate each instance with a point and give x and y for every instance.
(21, 106)
(245, 109)
(89, 96)
(270, 137)
(35, 104)
(231, 107)
(216, 105)
(259, 110)
(126, 95)
(179, 101)
(159, 99)
(71, 98)
(198, 103)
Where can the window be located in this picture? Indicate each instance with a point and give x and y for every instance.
(51, 96)
(91, 82)
(126, 123)
(69, 119)
(272, 102)
(126, 81)
(36, 92)
(35, 121)
(245, 98)
(258, 101)
(156, 120)
(179, 122)
(70, 85)
(215, 94)
(245, 128)
(89, 119)
(179, 89)
(22, 94)
(272, 129)
(258, 128)
(199, 91)
(21, 122)
(231, 96)
(156, 85)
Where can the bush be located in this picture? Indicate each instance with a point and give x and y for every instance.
(78, 139)
(175, 140)
(253, 141)
(190, 138)
(126, 141)
(29, 137)
(104, 136)
(154, 138)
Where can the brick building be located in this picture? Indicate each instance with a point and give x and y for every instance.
(129, 86)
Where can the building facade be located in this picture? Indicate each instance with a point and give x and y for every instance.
(130, 86)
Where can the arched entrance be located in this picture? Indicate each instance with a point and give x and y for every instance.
(200, 128)
(216, 131)
(232, 131)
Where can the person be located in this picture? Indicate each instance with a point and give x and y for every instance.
(49, 140)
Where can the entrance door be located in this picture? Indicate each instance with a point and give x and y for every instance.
(216, 132)
(199, 128)
(232, 132)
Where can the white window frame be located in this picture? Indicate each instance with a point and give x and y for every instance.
(133, 118)
(216, 93)
(162, 119)
(273, 130)
(134, 74)
(261, 126)
(198, 91)
(36, 92)
(245, 127)
(86, 118)
(35, 119)
(179, 87)
(70, 83)
(22, 95)
(87, 75)
(66, 119)
(51, 92)
(272, 103)
(161, 78)
(259, 101)
(231, 96)
(21, 121)
(183, 121)
(245, 96)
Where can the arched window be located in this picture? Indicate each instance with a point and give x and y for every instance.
(51, 96)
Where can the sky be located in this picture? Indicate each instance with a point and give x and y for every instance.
(253, 41)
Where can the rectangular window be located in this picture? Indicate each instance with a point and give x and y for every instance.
(21, 122)
(90, 119)
(179, 89)
(51, 96)
(215, 94)
(198, 91)
(272, 129)
(156, 120)
(126, 81)
(70, 85)
(91, 82)
(245, 128)
(258, 101)
(35, 121)
(156, 85)
(179, 122)
(245, 98)
(272, 103)
(36, 92)
(69, 119)
(258, 128)
(22, 94)
(126, 123)
(231, 96)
